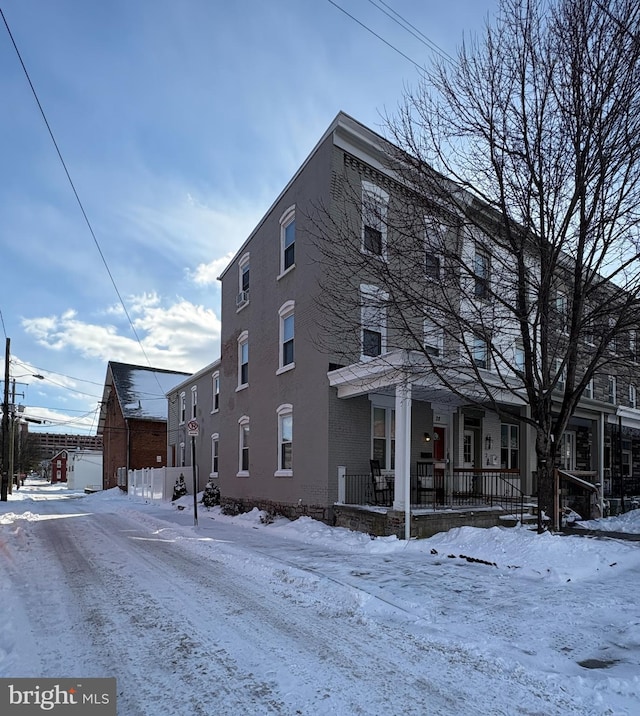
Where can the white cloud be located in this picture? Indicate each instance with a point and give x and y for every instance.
(207, 273)
(180, 336)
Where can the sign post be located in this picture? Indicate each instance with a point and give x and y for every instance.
(193, 430)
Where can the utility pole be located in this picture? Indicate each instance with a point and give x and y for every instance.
(4, 487)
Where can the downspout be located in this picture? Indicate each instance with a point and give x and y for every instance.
(601, 462)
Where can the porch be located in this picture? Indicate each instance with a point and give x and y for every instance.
(439, 500)
(436, 489)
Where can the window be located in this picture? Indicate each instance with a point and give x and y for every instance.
(588, 391)
(384, 437)
(285, 441)
(373, 320)
(613, 339)
(434, 233)
(633, 345)
(560, 376)
(243, 463)
(562, 310)
(519, 359)
(611, 389)
(374, 219)
(480, 353)
(243, 359)
(243, 282)
(633, 403)
(214, 455)
(215, 392)
(183, 407)
(182, 455)
(433, 338)
(432, 264)
(288, 239)
(286, 314)
(481, 271)
(194, 402)
(509, 446)
(567, 453)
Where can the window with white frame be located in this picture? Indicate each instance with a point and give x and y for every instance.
(243, 359)
(567, 452)
(509, 446)
(560, 376)
(183, 407)
(562, 310)
(243, 445)
(633, 345)
(588, 391)
(194, 402)
(287, 317)
(480, 352)
(215, 384)
(243, 281)
(288, 239)
(215, 453)
(613, 341)
(374, 219)
(633, 402)
(373, 320)
(285, 440)
(481, 274)
(383, 431)
(611, 389)
(433, 239)
(433, 338)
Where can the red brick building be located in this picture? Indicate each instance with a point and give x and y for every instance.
(58, 467)
(133, 419)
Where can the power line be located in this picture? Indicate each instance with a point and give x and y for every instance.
(413, 30)
(75, 193)
(4, 330)
(375, 34)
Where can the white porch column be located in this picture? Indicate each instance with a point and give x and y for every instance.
(402, 483)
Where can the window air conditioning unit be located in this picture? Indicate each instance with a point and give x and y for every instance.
(242, 298)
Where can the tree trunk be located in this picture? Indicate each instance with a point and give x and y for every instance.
(545, 454)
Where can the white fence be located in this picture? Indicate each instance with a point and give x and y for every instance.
(156, 483)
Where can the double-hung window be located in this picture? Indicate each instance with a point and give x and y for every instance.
(287, 331)
(384, 436)
(633, 401)
(481, 274)
(183, 407)
(433, 338)
(243, 359)
(611, 389)
(509, 446)
(194, 402)
(214, 454)
(243, 444)
(288, 239)
(285, 441)
(243, 281)
(562, 311)
(373, 320)
(375, 202)
(480, 353)
(215, 382)
(434, 233)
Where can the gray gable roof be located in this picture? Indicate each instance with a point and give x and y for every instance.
(140, 390)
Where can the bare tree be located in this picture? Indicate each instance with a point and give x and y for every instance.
(502, 245)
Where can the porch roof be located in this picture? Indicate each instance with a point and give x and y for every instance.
(382, 373)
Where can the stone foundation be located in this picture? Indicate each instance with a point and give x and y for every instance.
(386, 522)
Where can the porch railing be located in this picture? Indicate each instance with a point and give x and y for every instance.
(464, 488)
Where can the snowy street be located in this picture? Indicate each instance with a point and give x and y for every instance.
(235, 616)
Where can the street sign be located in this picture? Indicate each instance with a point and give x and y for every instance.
(193, 428)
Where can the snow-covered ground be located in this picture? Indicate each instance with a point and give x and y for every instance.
(238, 616)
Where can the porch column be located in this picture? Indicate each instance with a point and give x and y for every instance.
(402, 483)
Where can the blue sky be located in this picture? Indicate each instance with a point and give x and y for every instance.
(179, 121)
